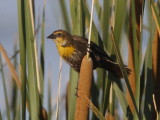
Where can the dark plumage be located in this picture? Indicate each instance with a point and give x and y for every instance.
(99, 56)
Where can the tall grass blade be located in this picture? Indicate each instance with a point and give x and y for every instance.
(73, 75)
(80, 21)
(95, 37)
(106, 94)
(136, 11)
(115, 47)
(42, 39)
(42, 53)
(112, 101)
(32, 63)
(22, 47)
(138, 83)
(155, 15)
(119, 19)
(5, 90)
(14, 90)
(0, 116)
(94, 109)
(18, 113)
(122, 99)
(106, 81)
(73, 6)
(59, 88)
(72, 94)
(149, 83)
(10, 66)
(49, 100)
(65, 16)
(106, 23)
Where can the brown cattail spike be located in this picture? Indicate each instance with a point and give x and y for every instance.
(83, 90)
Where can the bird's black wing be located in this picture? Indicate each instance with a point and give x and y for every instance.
(99, 51)
(99, 56)
(94, 47)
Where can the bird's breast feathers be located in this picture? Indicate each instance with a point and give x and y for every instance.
(64, 49)
(67, 51)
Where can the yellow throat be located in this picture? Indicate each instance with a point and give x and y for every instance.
(64, 51)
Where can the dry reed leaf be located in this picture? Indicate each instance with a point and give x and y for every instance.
(11, 67)
(109, 116)
(132, 76)
(15, 76)
(94, 109)
(155, 106)
(154, 16)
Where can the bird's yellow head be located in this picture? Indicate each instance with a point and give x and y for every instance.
(63, 42)
(60, 37)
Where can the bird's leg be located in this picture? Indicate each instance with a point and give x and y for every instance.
(76, 88)
(89, 50)
(76, 94)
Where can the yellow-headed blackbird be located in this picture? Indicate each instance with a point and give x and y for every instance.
(73, 48)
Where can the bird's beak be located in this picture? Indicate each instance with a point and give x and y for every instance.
(51, 36)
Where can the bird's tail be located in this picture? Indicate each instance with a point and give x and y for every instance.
(114, 68)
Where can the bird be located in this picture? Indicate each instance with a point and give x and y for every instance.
(72, 49)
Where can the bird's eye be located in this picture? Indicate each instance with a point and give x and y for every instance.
(59, 34)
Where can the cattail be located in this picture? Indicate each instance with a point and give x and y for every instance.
(83, 90)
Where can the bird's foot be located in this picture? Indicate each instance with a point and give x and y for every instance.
(89, 50)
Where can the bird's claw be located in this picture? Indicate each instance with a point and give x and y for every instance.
(76, 94)
(89, 48)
